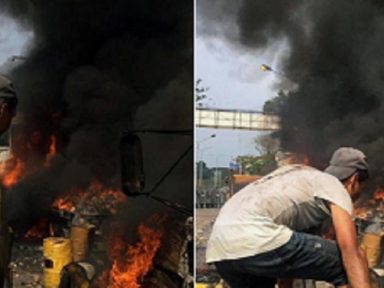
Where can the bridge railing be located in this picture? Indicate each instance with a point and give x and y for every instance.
(236, 119)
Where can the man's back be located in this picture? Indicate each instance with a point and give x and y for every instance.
(262, 215)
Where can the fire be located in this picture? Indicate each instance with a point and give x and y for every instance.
(52, 151)
(98, 196)
(132, 262)
(34, 232)
(13, 169)
(64, 204)
(372, 206)
(52, 147)
(37, 231)
(379, 194)
(12, 175)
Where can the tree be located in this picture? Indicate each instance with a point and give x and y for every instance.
(200, 92)
(257, 165)
(266, 145)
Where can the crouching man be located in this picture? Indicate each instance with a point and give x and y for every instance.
(259, 234)
(8, 103)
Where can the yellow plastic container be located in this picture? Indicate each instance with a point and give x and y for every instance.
(205, 285)
(79, 240)
(371, 243)
(57, 254)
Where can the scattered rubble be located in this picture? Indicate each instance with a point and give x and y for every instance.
(27, 263)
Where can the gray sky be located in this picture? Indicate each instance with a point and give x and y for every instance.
(13, 40)
(234, 77)
(235, 81)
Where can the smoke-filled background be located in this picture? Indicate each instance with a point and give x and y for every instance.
(334, 54)
(94, 70)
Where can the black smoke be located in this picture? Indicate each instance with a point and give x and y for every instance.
(91, 66)
(335, 55)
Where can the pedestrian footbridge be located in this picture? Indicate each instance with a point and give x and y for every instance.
(236, 119)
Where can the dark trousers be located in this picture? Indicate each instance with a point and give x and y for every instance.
(305, 256)
(5, 255)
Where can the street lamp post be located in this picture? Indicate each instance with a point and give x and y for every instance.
(266, 68)
(200, 151)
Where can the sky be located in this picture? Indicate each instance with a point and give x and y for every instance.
(234, 77)
(235, 81)
(13, 41)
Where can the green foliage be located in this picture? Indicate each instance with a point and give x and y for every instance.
(200, 92)
(266, 145)
(257, 165)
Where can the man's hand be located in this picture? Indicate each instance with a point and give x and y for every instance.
(354, 259)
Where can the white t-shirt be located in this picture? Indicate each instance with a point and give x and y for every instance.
(262, 216)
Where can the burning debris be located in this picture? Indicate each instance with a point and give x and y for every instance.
(94, 200)
(91, 71)
(132, 262)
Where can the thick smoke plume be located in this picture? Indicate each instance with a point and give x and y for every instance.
(336, 58)
(91, 65)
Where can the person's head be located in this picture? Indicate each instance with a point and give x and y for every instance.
(349, 165)
(8, 103)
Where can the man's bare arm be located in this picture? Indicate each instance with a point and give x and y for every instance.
(354, 259)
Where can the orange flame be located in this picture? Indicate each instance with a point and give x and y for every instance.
(13, 170)
(64, 204)
(132, 262)
(98, 196)
(37, 231)
(379, 194)
(52, 151)
(12, 176)
(34, 232)
(369, 207)
(52, 147)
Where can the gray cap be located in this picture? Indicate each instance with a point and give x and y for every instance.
(345, 161)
